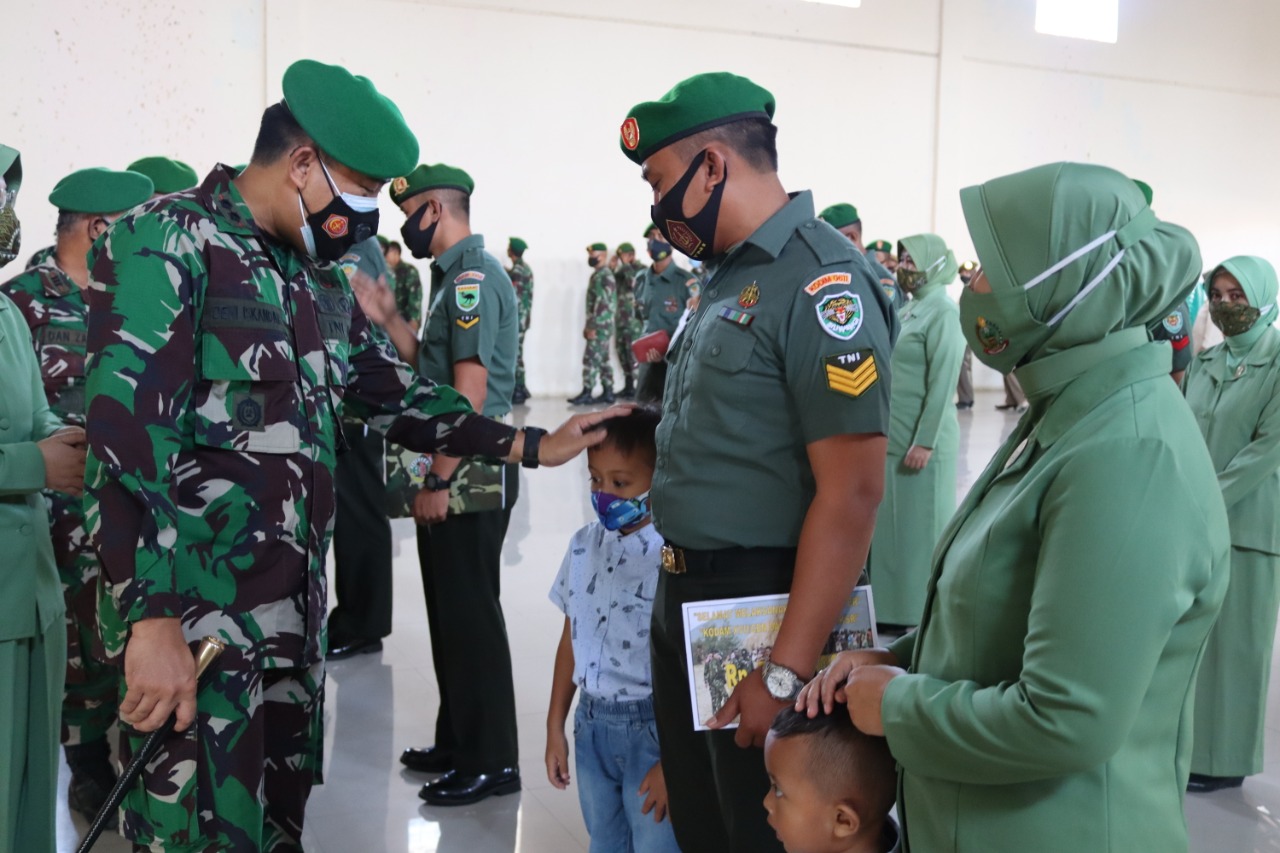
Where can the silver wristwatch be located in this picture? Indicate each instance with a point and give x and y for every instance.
(782, 684)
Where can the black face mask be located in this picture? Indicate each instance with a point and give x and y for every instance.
(417, 240)
(695, 236)
(593, 261)
(659, 250)
(335, 228)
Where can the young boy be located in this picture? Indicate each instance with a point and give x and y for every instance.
(606, 587)
(831, 785)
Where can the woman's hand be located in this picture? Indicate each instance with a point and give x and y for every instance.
(827, 689)
(864, 691)
(917, 457)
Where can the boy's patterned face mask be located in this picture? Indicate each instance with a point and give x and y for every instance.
(616, 513)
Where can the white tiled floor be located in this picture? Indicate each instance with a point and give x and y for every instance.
(376, 706)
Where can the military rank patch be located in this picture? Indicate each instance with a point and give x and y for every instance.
(467, 296)
(466, 321)
(740, 318)
(852, 373)
(840, 314)
(829, 279)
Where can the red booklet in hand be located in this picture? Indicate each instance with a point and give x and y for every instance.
(652, 347)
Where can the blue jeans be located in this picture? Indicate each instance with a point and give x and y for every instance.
(616, 745)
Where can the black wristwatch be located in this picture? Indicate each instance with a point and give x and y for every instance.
(435, 483)
(532, 440)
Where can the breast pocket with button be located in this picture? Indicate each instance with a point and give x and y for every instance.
(724, 346)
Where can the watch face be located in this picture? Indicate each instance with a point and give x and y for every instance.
(782, 683)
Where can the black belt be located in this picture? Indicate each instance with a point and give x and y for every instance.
(679, 561)
(13, 499)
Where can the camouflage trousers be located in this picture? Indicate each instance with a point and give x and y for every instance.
(239, 778)
(596, 366)
(520, 362)
(630, 328)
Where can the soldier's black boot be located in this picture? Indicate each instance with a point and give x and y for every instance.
(606, 396)
(520, 395)
(92, 778)
(628, 391)
(583, 399)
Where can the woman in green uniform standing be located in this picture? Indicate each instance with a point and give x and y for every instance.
(924, 435)
(1234, 391)
(1048, 701)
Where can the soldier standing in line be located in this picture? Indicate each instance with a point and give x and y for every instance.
(406, 284)
(629, 325)
(844, 218)
(602, 306)
(521, 275)
(50, 298)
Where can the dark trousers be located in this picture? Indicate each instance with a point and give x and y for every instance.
(361, 540)
(461, 562)
(716, 789)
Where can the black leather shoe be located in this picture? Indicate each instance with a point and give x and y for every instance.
(427, 759)
(92, 778)
(519, 396)
(628, 392)
(606, 397)
(460, 790)
(352, 648)
(583, 399)
(1202, 784)
(963, 406)
(1007, 407)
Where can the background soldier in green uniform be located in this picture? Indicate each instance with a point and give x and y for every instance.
(167, 175)
(470, 342)
(50, 298)
(224, 346)
(664, 292)
(772, 443)
(521, 275)
(629, 326)
(406, 284)
(844, 218)
(602, 306)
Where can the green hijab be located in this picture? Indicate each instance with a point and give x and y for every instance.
(934, 259)
(1258, 281)
(1073, 254)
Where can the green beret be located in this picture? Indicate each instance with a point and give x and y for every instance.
(626, 248)
(383, 242)
(101, 190)
(880, 246)
(437, 177)
(168, 176)
(349, 119)
(517, 245)
(649, 230)
(11, 168)
(840, 215)
(597, 247)
(694, 105)
(1146, 190)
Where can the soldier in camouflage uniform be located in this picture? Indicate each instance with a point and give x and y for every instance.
(629, 324)
(223, 348)
(50, 297)
(406, 284)
(602, 306)
(521, 275)
(167, 175)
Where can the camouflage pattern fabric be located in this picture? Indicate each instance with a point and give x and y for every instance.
(41, 256)
(221, 361)
(629, 325)
(602, 307)
(408, 290)
(406, 472)
(521, 275)
(55, 311)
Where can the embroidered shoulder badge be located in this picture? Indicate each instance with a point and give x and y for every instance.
(467, 296)
(469, 275)
(826, 280)
(840, 315)
(1173, 323)
(992, 339)
(852, 373)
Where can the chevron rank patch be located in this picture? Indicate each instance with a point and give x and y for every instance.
(466, 321)
(852, 373)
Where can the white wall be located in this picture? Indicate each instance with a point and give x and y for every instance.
(893, 106)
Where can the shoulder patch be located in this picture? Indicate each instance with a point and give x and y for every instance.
(467, 296)
(469, 275)
(826, 280)
(851, 373)
(840, 314)
(466, 321)
(1173, 323)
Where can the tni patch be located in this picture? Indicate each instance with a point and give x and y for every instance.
(466, 321)
(852, 373)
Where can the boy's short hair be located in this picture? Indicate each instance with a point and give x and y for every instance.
(842, 761)
(634, 432)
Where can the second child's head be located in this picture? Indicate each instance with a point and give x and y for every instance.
(831, 785)
(621, 469)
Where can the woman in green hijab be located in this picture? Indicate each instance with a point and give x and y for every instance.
(924, 435)
(1234, 391)
(1047, 702)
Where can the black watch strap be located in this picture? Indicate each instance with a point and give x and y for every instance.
(532, 441)
(435, 483)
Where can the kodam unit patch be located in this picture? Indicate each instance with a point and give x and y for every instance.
(467, 296)
(826, 281)
(852, 373)
(840, 314)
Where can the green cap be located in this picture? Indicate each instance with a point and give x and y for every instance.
(649, 230)
(517, 245)
(349, 119)
(101, 190)
(1147, 192)
(437, 177)
(597, 247)
(626, 248)
(11, 168)
(694, 105)
(383, 242)
(840, 215)
(880, 246)
(168, 176)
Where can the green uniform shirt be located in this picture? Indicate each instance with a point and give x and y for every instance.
(474, 315)
(661, 297)
(888, 281)
(790, 344)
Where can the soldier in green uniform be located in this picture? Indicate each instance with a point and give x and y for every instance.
(771, 448)
(924, 434)
(1176, 326)
(629, 326)
(602, 307)
(1051, 692)
(37, 451)
(406, 283)
(664, 292)
(521, 275)
(224, 348)
(50, 298)
(844, 218)
(167, 175)
(471, 339)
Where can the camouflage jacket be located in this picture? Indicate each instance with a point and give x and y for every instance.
(55, 310)
(408, 290)
(220, 359)
(602, 301)
(626, 276)
(521, 275)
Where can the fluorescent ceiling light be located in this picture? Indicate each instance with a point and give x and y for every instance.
(852, 4)
(1095, 20)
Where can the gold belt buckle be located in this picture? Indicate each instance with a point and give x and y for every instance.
(673, 560)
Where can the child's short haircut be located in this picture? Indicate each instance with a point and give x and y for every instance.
(634, 432)
(842, 761)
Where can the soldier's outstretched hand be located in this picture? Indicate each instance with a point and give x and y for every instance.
(576, 435)
(375, 297)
